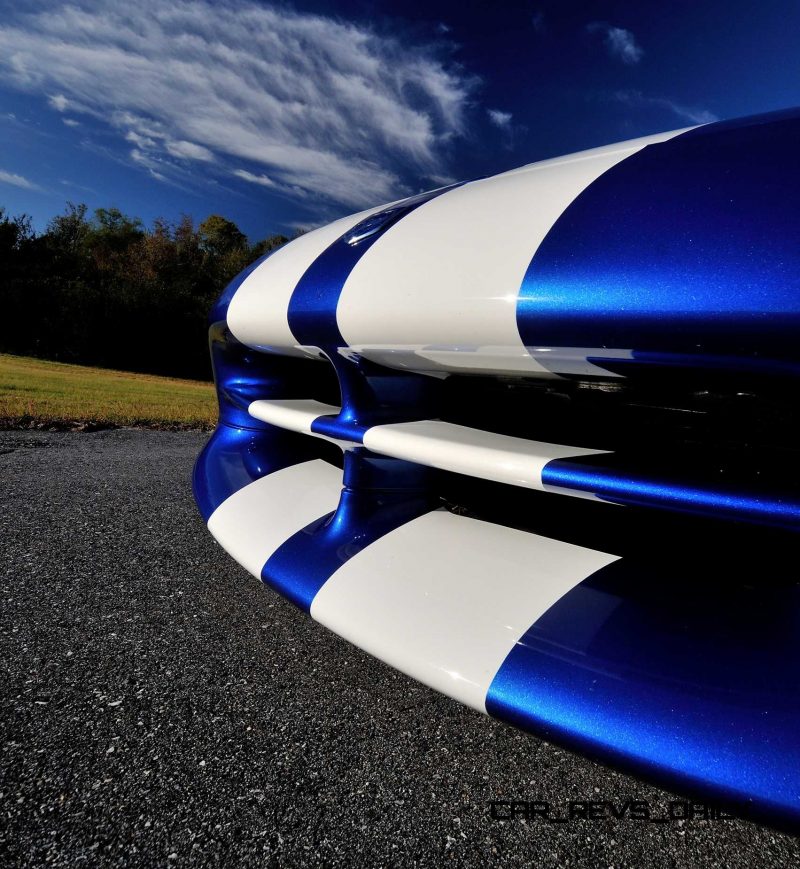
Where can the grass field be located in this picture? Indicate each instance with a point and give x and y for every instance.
(36, 393)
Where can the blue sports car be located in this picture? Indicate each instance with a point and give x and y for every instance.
(533, 440)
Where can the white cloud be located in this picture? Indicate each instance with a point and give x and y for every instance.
(70, 122)
(139, 140)
(17, 181)
(319, 105)
(619, 42)
(687, 114)
(500, 119)
(152, 162)
(189, 151)
(263, 180)
(59, 102)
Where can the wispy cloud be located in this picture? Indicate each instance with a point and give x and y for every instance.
(70, 122)
(504, 121)
(263, 180)
(619, 42)
(188, 150)
(499, 118)
(317, 105)
(68, 183)
(687, 114)
(441, 180)
(17, 181)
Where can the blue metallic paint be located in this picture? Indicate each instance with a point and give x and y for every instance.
(369, 392)
(378, 496)
(336, 427)
(242, 448)
(312, 308)
(678, 674)
(697, 257)
(610, 479)
(234, 457)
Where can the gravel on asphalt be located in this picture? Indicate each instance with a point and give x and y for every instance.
(162, 708)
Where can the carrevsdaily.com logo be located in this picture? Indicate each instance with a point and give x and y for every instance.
(605, 810)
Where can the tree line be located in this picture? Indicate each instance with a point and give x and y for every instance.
(103, 289)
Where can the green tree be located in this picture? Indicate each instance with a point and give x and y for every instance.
(70, 230)
(106, 290)
(220, 236)
(14, 233)
(267, 245)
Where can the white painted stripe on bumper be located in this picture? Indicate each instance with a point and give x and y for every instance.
(445, 598)
(449, 273)
(258, 312)
(296, 414)
(293, 414)
(253, 522)
(443, 278)
(463, 450)
(437, 444)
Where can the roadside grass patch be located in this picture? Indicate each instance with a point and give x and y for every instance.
(35, 393)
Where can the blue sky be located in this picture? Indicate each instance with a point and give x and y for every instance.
(287, 115)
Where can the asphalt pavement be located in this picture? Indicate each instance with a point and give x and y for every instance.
(159, 707)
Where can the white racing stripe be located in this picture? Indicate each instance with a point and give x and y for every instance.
(471, 451)
(445, 598)
(443, 279)
(258, 313)
(294, 414)
(449, 273)
(444, 445)
(254, 521)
